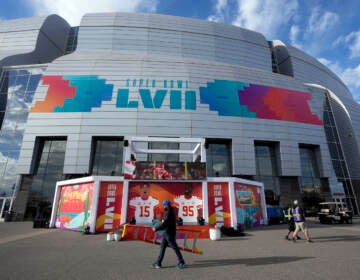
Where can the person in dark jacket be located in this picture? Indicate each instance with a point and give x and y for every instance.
(168, 225)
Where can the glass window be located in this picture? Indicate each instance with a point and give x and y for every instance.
(72, 40)
(15, 99)
(57, 146)
(107, 156)
(218, 158)
(309, 166)
(336, 153)
(266, 169)
(339, 167)
(33, 82)
(330, 134)
(163, 157)
(265, 160)
(3, 101)
(50, 162)
(309, 179)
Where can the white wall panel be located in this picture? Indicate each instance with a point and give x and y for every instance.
(194, 39)
(28, 40)
(118, 47)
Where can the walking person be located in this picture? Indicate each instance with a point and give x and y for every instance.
(299, 219)
(290, 221)
(169, 236)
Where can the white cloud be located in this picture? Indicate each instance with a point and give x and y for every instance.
(293, 35)
(352, 41)
(7, 174)
(320, 21)
(221, 5)
(265, 16)
(355, 46)
(73, 10)
(220, 11)
(13, 89)
(334, 66)
(350, 76)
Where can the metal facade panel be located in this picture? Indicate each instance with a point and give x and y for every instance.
(182, 51)
(32, 40)
(193, 39)
(309, 70)
(18, 40)
(21, 24)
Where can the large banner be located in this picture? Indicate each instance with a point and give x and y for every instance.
(249, 210)
(74, 206)
(219, 203)
(145, 200)
(109, 206)
(169, 170)
(228, 98)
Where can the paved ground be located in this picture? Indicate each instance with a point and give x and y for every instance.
(27, 253)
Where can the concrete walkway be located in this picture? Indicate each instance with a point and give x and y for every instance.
(27, 253)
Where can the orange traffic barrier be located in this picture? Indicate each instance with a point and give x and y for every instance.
(145, 233)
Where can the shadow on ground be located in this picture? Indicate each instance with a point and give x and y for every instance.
(231, 238)
(337, 238)
(247, 261)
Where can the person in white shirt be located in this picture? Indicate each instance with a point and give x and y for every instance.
(189, 206)
(144, 205)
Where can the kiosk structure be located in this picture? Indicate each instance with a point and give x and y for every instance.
(104, 203)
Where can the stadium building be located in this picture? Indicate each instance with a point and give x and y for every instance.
(73, 98)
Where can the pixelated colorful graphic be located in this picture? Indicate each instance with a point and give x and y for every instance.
(73, 94)
(74, 206)
(109, 206)
(228, 98)
(249, 210)
(237, 99)
(219, 203)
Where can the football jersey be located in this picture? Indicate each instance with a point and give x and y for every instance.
(144, 209)
(188, 208)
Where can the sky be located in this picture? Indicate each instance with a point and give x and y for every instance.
(328, 30)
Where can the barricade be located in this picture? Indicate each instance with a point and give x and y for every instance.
(145, 233)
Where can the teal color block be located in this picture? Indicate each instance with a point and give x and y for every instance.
(159, 98)
(90, 92)
(190, 100)
(149, 102)
(146, 98)
(122, 98)
(179, 83)
(175, 99)
(222, 96)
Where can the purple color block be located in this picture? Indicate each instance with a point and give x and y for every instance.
(252, 97)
